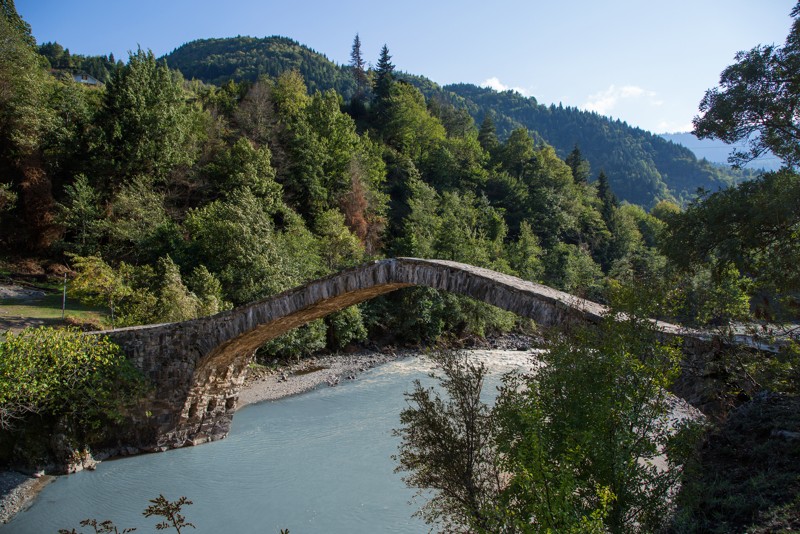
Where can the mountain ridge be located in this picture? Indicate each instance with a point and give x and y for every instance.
(643, 168)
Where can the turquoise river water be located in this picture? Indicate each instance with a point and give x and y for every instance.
(319, 462)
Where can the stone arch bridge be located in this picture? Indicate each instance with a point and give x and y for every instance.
(198, 366)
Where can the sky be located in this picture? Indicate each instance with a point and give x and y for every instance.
(646, 63)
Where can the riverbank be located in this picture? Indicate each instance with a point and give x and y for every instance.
(266, 383)
(274, 383)
(18, 491)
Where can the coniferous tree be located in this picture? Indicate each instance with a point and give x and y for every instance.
(607, 197)
(487, 135)
(579, 166)
(143, 124)
(384, 75)
(359, 71)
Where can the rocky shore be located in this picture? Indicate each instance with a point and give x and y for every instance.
(276, 382)
(17, 492)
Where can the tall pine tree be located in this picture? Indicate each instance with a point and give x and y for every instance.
(9, 11)
(359, 69)
(384, 75)
(487, 135)
(607, 197)
(578, 165)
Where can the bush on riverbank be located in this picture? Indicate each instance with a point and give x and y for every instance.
(60, 391)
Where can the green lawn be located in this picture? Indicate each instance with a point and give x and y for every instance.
(16, 314)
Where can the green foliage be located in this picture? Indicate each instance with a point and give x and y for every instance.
(358, 66)
(457, 164)
(12, 18)
(345, 327)
(525, 255)
(720, 297)
(384, 78)
(247, 58)
(66, 375)
(141, 295)
(8, 198)
(746, 475)
(418, 315)
(144, 122)
(339, 247)
(570, 446)
(175, 302)
(244, 165)
(208, 291)
(133, 228)
(81, 215)
(642, 167)
(296, 343)
(447, 446)
(24, 117)
(487, 134)
(580, 167)
(583, 432)
(756, 100)
(98, 284)
(753, 227)
(235, 239)
(407, 126)
(572, 269)
(99, 67)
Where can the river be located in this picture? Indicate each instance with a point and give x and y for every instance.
(320, 462)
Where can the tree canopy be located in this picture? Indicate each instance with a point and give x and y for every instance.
(757, 102)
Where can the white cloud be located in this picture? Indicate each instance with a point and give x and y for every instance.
(495, 83)
(606, 101)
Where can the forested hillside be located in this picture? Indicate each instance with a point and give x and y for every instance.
(246, 58)
(641, 167)
(172, 199)
(166, 197)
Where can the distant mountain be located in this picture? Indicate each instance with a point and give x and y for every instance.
(717, 151)
(643, 168)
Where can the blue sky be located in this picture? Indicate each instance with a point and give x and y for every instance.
(648, 63)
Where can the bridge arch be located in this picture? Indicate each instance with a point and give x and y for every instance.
(198, 366)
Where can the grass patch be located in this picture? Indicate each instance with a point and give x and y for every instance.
(45, 310)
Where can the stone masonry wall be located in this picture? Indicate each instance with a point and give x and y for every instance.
(198, 366)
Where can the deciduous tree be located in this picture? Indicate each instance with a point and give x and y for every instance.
(757, 102)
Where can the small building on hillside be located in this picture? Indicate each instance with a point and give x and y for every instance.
(86, 79)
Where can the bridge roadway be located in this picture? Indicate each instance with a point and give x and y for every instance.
(198, 366)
